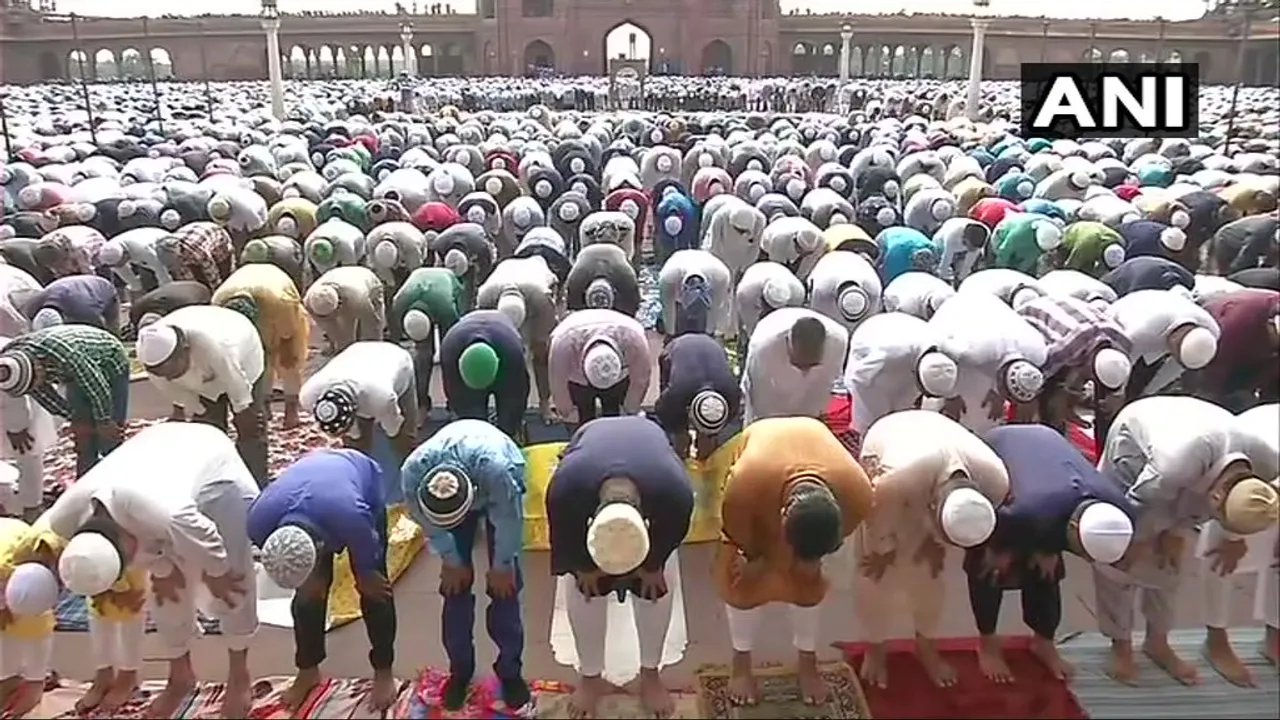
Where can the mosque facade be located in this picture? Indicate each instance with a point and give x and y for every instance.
(514, 37)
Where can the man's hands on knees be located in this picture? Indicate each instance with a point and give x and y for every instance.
(373, 586)
(501, 583)
(455, 579)
(228, 587)
(166, 588)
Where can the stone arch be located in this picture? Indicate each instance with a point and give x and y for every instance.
(928, 61)
(298, 61)
(341, 62)
(804, 59)
(79, 66)
(828, 49)
(717, 58)
(855, 61)
(628, 40)
(1118, 56)
(398, 64)
(427, 59)
(326, 60)
(884, 64)
(912, 68)
(162, 62)
(105, 64)
(957, 62)
(538, 55)
(1146, 57)
(1173, 57)
(898, 61)
(382, 61)
(131, 64)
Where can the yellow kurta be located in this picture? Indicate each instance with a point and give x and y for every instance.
(282, 323)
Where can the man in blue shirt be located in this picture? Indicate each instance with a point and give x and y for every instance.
(325, 502)
(1058, 502)
(469, 472)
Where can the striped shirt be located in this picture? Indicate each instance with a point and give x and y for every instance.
(85, 357)
(71, 249)
(1072, 330)
(199, 251)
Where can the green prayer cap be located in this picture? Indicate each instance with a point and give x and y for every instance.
(478, 365)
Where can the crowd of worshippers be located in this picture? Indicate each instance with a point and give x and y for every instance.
(1087, 333)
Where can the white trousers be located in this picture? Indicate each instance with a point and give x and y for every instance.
(1260, 559)
(745, 624)
(589, 619)
(905, 584)
(25, 658)
(117, 643)
(176, 621)
(30, 483)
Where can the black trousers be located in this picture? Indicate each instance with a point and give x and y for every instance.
(585, 399)
(1041, 603)
(251, 427)
(311, 617)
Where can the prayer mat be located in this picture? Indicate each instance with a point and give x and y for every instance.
(335, 699)
(551, 701)
(780, 695)
(484, 701)
(911, 694)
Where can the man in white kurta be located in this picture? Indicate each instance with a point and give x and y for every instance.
(173, 499)
(695, 289)
(1224, 556)
(209, 362)
(526, 291)
(764, 287)
(1182, 461)
(845, 287)
(348, 304)
(793, 359)
(894, 361)
(999, 354)
(929, 496)
(1170, 334)
(367, 394)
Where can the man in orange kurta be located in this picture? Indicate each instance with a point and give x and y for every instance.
(793, 495)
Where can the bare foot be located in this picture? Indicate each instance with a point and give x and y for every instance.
(586, 697)
(875, 670)
(1222, 657)
(813, 688)
(25, 699)
(167, 701)
(126, 683)
(303, 683)
(383, 692)
(1047, 652)
(742, 681)
(98, 689)
(1167, 660)
(291, 419)
(1121, 667)
(654, 696)
(940, 671)
(237, 699)
(992, 663)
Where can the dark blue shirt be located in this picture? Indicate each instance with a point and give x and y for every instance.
(337, 496)
(1148, 272)
(629, 447)
(688, 365)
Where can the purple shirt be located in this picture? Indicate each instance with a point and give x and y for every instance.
(78, 298)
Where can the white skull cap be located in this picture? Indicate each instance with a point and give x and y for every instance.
(618, 539)
(937, 374)
(886, 216)
(942, 209)
(1111, 368)
(31, 590)
(417, 325)
(1113, 255)
(89, 565)
(322, 300)
(1048, 236)
(511, 304)
(386, 254)
(1197, 348)
(493, 186)
(156, 343)
(569, 211)
(456, 261)
(1105, 532)
(776, 293)
(1173, 239)
(673, 225)
(1023, 381)
(853, 303)
(46, 317)
(968, 517)
(111, 253)
(602, 366)
(289, 556)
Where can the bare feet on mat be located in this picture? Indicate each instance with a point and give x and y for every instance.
(875, 668)
(126, 683)
(813, 688)
(742, 681)
(1169, 661)
(237, 699)
(383, 692)
(103, 679)
(1047, 652)
(167, 701)
(1222, 657)
(303, 683)
(654, 695)
(586, 697)
(991, 661)
(1121, 666)
(939, 671)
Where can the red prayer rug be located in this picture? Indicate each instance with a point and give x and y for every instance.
(912, 695)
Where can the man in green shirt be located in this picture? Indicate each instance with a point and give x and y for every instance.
(92, 366)
(424, 308)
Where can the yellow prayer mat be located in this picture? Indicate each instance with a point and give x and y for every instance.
(404, 543)
(707, 478)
